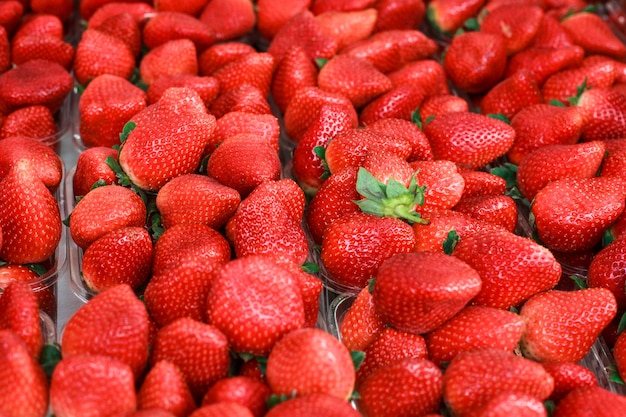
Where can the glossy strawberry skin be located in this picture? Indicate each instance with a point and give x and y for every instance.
(594, 401)
(169, 25)
(228, 19)
(294, 71)
(598, 37)
(499, 210)
(518, 24)
(243, 390)
(164, 387)
(511, 95)
(604, 270)
(606, 112)
(361, 323)
(569, 376)
(91, 167)
(321, 404)
(99, 53)
(19, 313)
(32, 121)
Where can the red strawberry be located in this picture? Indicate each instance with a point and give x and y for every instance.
(105, 209)
(572, 214)
(468, 139)
(47, 164)
(29, 215)
(265, 126)
(91, 167)
(35, 122)
(564, 84)
(475, 61)
(595, 401)
(444, 185)
(500, 210)
(425, 305)
(25, 391)
(245, 98)
(605, 271)
(224, 408)
(167, 26)
(99, 53)
(507, 403)
(398, 103)
(568, 376)
(511, 95)
(474, 327)
(347, 27)
(206, 87)
(243, 390)
(574, 319)
(446, 16)
(255, 69)
(321, 6)
(125, 27)
(10, 15)
(5, 51)
(422, 389)
(92, 385)
(518, 24)
(593, 34)
(229, 19)
(481, 183)
(97, 328)
(98, 13)
(410, 132)
(619, 354)
(175, 57)
(606, 112)
(506, 280)
(542, 62)
(436, 105)
(61, 8)
(164, 387)
(386, 166)
(296, 70)
(45, 47)
(220, 54)
(40, 24)
(191, 7)
(313, 404)
(310, 361)
(19, 313)
(271, 15)
(156, 142)
(551, 34)
(399, 14)
(46, 297)
(360, 324)
(553, 162)
(475, 377)
(107, 104)
(427, 74)
(371, 240)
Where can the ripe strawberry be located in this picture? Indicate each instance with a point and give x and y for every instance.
(444, 184)
(296, 70)
(481, 183)
(175, 57)
(446, 16)
(99, 53)
(31, 227)
(5, 51)
(40, 24)
(19, 313)
(229, 19)
(468, 139)
(157, 143)
(360, 324)
(310, 361)
(164, 387)
(551, 34)
(105, 209)
(421, 150)
(386, 166)
(605, 271)
(436, 105)
(399, 14)
(153, 412)
(475, 377)
(427, 74)
(255, 69)
(542, 124)
(518, 24)
(47, 164)
(264, 126)
(91, 168)
(476, 61)
(474, 327)
(206, 87)
(244, 98)
(564, 84)
(568, 376)
(371, 240)
(224, 408)
(199, 350)
(220, 54)
(45, 47)
(591, 401)
(321, 6)
(572, 214)
(46, 297)
(61, 8)
(593, 34)
(543, 62)
(422, 389)
(271, 15)
(190, 7)
(347, 27)
(35, 122)
(512, 404)
(242, 390)
(511, 95)
(92, 385)
(606, 112)
(11, 13)
(500, 210)
(95, 12)
(538, 168)
(425, 306)
(619, 354)
(313, 404)
(105, 106)
(167, 26)
(303, 30)
(126, 28)
(25, 388)
(398, 103)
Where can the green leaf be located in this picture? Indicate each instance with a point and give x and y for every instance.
(310, 267)
(156, 227)
(513, 309)
(416, 118)
(556, 103)
(580, 283)
(452, 238)
(49, 358)
(501, 117)
(355, 396)
(614, 375)
(368, 186)
(357, 358)
(607, 238)
(128, 127)
(429, 119)
(395, 189)
(472, 24)
(370, 207)
(37, 268)
(320, 151)
(370, 285)
(622, 324)
(98, 183)
(550, 406)
(320, 62)
(66, 221)
(275, 399)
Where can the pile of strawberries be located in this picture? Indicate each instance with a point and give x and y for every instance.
(439, 164)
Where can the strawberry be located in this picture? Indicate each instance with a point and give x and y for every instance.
(190, 7)
(45, 47)
(360, 324)
(500, 210)
(371, 240)
(167, 26)
(572, 214)
(92, 385)
(421, 393)
(399, 14)
(99, 53)
(199, 350)
(91, 168)
(468, 139)
(475, 377)
(35, 122)
(311, 287)
(25, 391)
(296, 70)
(48, 166)
(543, 62)
(19, 313)
(386, 166)
(105, 209)
(152, 412)
(194, 198)
(481, 183)
(105, 106)
(538, 168)
(347, 27)
(446, 16)
(126, 28)
(321, 6)
(243, 390)
(606, 110)
(542, 124)
(474, 327)
(310, 361)
(175, 57)
(476, 61)
(575, 320)
(551, 34)
(593, 34)
(220, 54)
(45, 294)
(313, 404)
(421, 150)
(121, 256)
(228, 19)
(206, 87)
(436, 105)
(595, 401)
(271, 15)
(164, 387)
(40, 24)
(427, 74)
(61, 8)
(98, 14)
(11, 13)
(619, 353)
(518, 24)
(444, 185)
(97, 328)
(265, 126)
(27, 238)
(5, 51)
(245, 98)
(539, 271)
(304, 31)
(157, 142)
(605, 271)
(568, 376)
(564, 84)
(255, 69)
(511, 95)
(507, 403)
(224, 408)
(398, 103)
(425, 306)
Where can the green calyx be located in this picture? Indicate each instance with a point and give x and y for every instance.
(389, 200)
